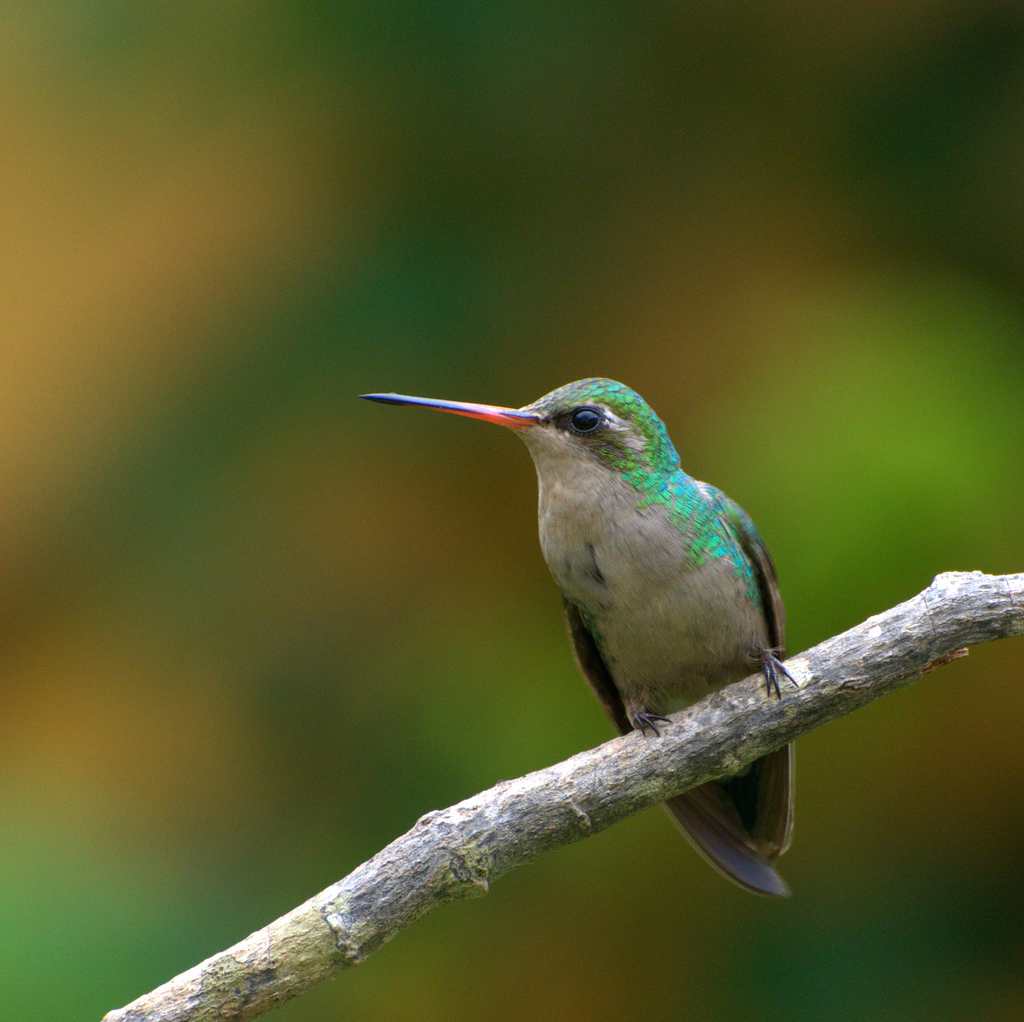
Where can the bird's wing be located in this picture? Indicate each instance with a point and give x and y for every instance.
(708, 814)
(764, 569)
(594, 669)
(768, 788)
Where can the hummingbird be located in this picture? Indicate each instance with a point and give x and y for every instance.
(669, 594)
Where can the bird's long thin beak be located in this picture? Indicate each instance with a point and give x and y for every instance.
(514, 418)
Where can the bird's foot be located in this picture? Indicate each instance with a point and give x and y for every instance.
(643, 720)
(773, 670)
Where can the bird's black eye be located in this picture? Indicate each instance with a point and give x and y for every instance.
(586, 419)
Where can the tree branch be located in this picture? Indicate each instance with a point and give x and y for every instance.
(455, 853)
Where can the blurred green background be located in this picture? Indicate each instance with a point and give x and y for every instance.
(251, 628)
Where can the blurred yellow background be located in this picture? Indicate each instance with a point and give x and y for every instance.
(251, 628)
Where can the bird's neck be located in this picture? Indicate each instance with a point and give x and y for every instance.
(603, 536)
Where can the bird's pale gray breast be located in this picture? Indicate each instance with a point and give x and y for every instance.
(668, 625)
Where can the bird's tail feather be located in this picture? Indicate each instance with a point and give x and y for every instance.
(743, 851)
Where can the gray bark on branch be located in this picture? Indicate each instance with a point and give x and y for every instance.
(456, 853)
